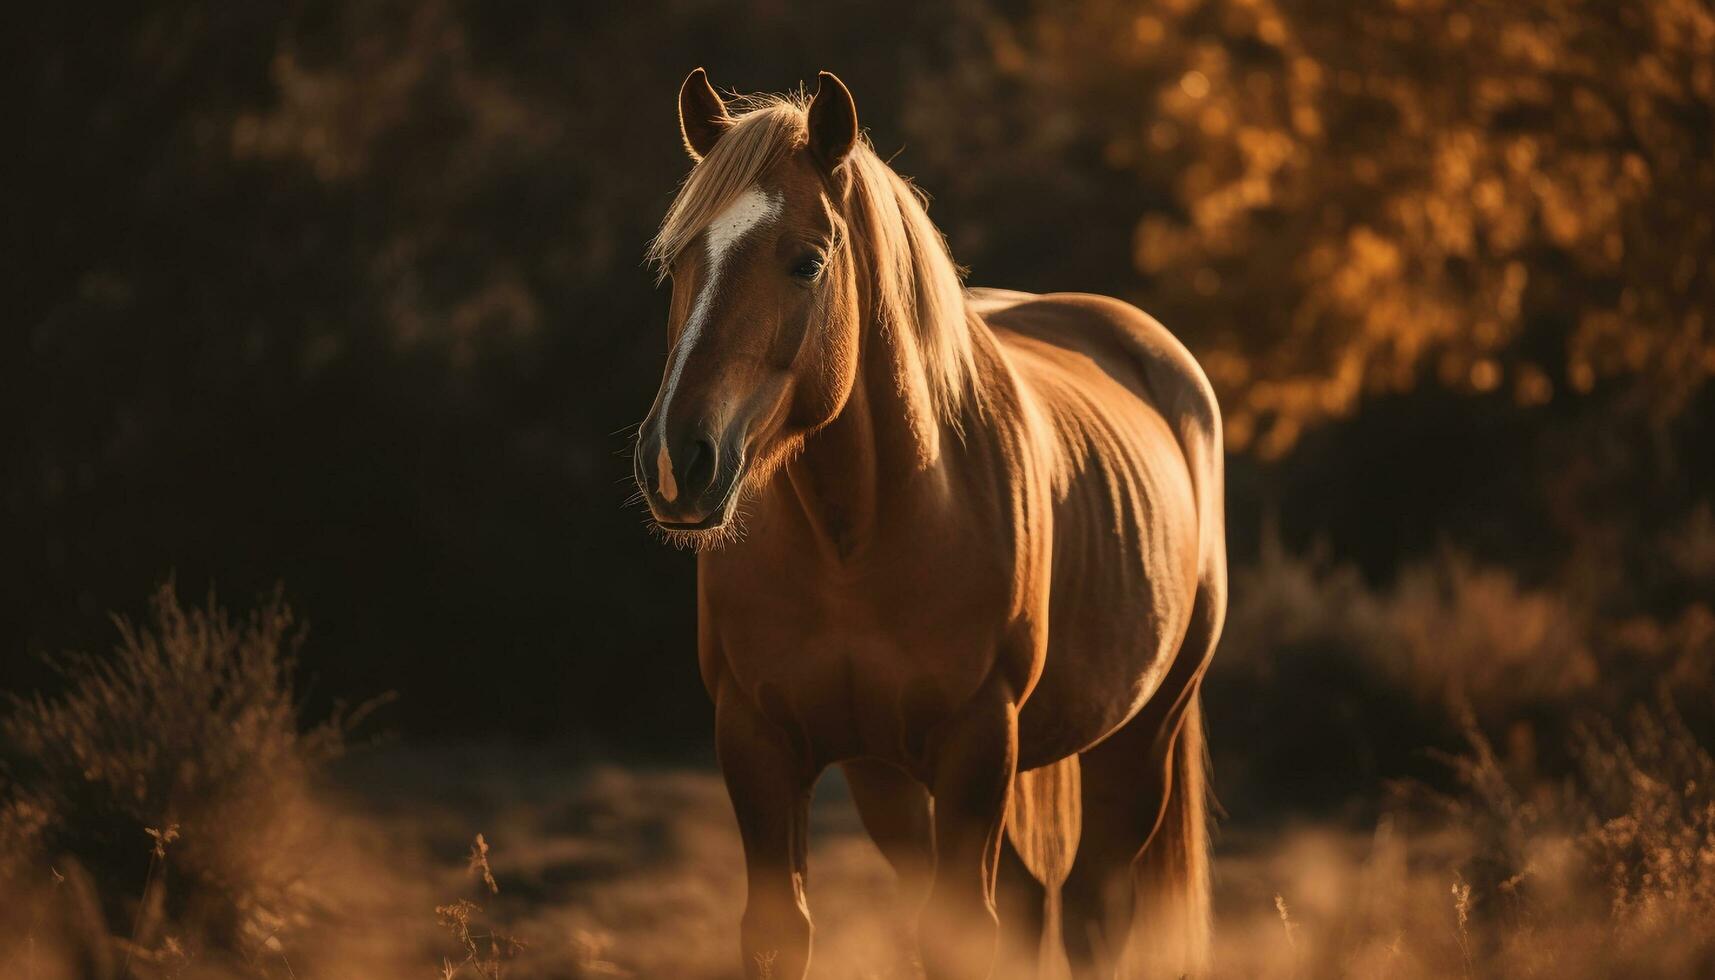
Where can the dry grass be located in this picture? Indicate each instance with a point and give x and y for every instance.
(486, 951)
(1574, 845)
(615, 872)
(163, 817)
(1608, 873)
(634, 872)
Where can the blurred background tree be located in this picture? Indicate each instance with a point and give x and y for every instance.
(1338, 204)
(1337, 201)
(351, 295)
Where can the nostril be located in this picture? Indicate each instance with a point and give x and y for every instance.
(701, 459)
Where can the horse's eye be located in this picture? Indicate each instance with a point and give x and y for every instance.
(807, 268)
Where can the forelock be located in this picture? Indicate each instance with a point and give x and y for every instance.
(765, 130)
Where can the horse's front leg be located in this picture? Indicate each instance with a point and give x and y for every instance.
(974, 756)
(769, 784)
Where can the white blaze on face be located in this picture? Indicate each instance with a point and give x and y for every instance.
(752, 208)
(664, 474)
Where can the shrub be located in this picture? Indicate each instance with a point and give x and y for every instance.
(1394, 669)
(173, 777)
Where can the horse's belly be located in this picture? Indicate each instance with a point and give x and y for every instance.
(1094, 680)
(1123, 585)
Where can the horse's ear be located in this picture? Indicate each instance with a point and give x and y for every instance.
(702, 114)
(833, 121)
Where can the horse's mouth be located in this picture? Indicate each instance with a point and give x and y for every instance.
(714, 522)
(718, 517)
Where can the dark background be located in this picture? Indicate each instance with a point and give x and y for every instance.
(350, 296)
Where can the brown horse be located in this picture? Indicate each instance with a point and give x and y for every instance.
(966, 544)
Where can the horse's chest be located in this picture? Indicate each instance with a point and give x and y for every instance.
(849, 672)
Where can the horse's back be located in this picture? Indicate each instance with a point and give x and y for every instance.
(1129, 433)
(1125, 342)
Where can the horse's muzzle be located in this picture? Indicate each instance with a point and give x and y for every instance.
(689, 479)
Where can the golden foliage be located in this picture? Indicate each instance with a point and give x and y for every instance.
(1499, 196)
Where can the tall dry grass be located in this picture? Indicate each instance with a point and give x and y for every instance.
(1607, 872)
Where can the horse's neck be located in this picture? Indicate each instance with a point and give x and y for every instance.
(885, 444)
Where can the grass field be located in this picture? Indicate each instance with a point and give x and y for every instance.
(171, 815)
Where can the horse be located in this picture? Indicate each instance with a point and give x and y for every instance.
(966, 544)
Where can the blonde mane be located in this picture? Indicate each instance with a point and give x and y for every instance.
(907, 280)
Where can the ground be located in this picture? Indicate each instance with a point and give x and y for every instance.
(614, 871)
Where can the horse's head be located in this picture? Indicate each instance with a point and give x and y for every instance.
(762, 330)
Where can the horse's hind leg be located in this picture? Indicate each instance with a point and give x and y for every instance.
(1127, 790)
(1138, 896)
(1123, 787)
